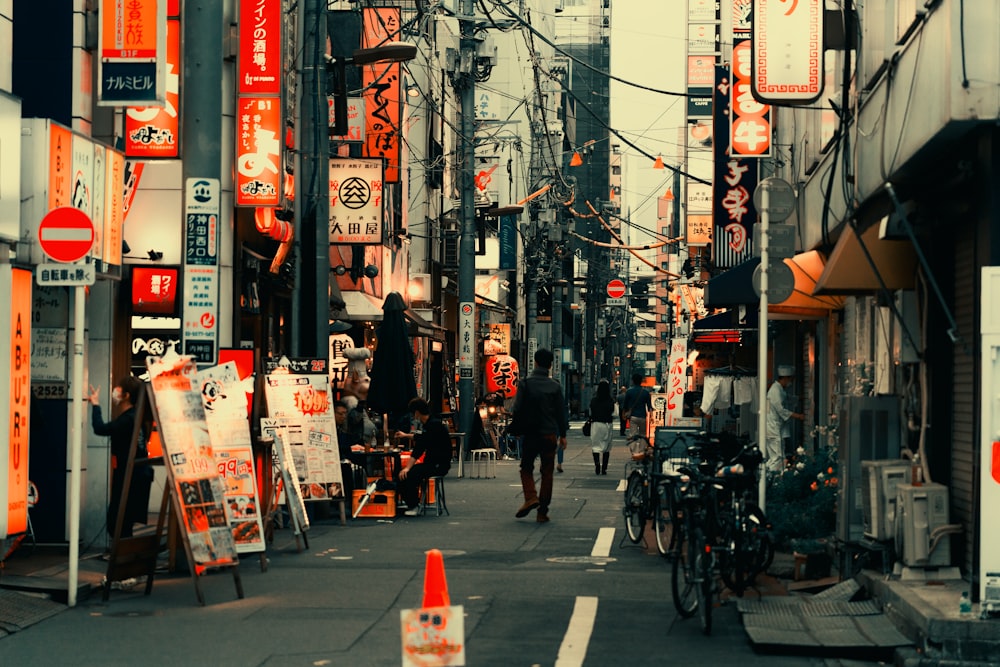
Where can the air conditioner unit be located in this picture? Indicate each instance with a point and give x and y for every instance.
(922, 510)
(878, 496)
(869, 431)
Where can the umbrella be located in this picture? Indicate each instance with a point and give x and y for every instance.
(392, 384)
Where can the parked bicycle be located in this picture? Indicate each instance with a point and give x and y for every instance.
(650, 494)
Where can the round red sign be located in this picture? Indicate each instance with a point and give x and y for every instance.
(616, 288)
(66, 234)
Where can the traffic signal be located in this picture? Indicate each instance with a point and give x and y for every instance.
(640, 288)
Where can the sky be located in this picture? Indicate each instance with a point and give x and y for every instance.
(647, 48)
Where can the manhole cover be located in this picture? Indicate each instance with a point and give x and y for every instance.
(587, 560)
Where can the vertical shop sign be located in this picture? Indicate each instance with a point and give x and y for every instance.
(15, 337)
(260, 47)
(381, 83)
(114, 207)
(258, 151)
(466, 340)
(676, 380)
(60, 166)
(787, 47)
(356, 201)
(734, 182)
(201, 273)
(508, 242)
(152, 132)
(750, 129)
(133, 54)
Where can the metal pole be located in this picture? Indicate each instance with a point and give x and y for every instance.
(467, 240)
(313, 282)
(765, 216)
(76, 445)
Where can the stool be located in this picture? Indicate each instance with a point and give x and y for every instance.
(484, 463)
(439, 501)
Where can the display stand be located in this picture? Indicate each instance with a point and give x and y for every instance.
(195, 489)
(133, 556)
(285, 483)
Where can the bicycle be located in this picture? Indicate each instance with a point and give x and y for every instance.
(692, 581)
(650, 493)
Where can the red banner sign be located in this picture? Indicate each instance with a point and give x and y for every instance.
(750, 131)
(258, 151)
(383, 108)
(151, 132)
(260, 47)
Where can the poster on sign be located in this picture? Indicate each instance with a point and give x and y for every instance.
(197, 489)
(224, 399)
(298, 398)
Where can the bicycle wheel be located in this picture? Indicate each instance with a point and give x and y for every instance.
(682, 580)
(635, 491)
(762, 537)
(664, 518)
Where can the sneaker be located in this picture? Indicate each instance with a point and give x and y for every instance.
(526, 508)
(559, 469)
(542, 518)
(412, 512)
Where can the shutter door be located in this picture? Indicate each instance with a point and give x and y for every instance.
(965, 393)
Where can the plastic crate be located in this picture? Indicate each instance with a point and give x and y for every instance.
(381, 504)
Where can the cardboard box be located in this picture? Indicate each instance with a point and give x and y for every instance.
(381, 504)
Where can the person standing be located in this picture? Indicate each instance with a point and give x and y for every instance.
(637, 401)
(120, 430)
(540, 416)
(778, 425)
(622, 421)
(602, 408)
(433, 443)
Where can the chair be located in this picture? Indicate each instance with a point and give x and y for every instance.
(484, 463)
(439, 500)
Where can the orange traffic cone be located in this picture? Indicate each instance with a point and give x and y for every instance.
(435, 585)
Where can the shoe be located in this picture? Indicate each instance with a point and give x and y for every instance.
(526, 508)
(542, 518)
(412, 512)
(559, 469)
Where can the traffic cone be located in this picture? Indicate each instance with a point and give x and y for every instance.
(435, 585)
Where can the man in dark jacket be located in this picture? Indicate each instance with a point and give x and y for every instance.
(434, 445)
(540, 416)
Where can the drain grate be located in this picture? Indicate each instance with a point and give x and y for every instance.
(18, 611)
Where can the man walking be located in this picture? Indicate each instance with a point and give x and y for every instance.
(540, 416)
(637, 402)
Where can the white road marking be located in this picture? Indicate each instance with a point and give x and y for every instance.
(581, 625)
(602, 545)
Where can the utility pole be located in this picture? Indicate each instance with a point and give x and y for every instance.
(467, 340)
(311, 315)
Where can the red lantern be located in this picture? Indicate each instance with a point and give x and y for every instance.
(263, 218)
(502, 375)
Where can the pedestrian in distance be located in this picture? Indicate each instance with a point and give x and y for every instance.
(637, 401)
(119, 429)
(779, 426)
(602, 409)
(433, 443)
(622, 421)
(540, 416)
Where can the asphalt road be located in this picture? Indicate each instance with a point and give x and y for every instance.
(570, 592)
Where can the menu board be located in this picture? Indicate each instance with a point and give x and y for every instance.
(224, 398)
(285, 463)
(300, 402)
(192, 471)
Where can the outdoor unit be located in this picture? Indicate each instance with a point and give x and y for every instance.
(922, 510)
(878, 496)
(869, 430)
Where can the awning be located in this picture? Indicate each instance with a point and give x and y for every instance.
(735, 287)
(722, 327)
(361, 307)
(848, 270)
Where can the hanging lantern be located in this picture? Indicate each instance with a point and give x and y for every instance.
(502, 375)
(263, 218)
(282, 231)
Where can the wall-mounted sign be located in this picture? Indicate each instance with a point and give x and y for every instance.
(133, 53)
(787, 46)
(356, 201)
(750, 129)
(381, 83)
(260, 47)
(259, 173)
(152, 132)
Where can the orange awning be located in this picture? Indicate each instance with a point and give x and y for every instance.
(848, 270)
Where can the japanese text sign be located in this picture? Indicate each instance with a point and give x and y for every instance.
(132, 52)
(750, 128)
(258, 151)
(260, 47)
(151, 132)
(787, 46)
(383, 107)
(356, 201)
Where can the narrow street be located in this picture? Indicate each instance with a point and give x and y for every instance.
(574, 587)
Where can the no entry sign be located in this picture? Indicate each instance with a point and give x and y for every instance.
(66, 234)
(616, 288)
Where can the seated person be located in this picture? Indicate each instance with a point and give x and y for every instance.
(345, 440)
(431, 447)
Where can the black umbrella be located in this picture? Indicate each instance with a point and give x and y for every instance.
(392, 384)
